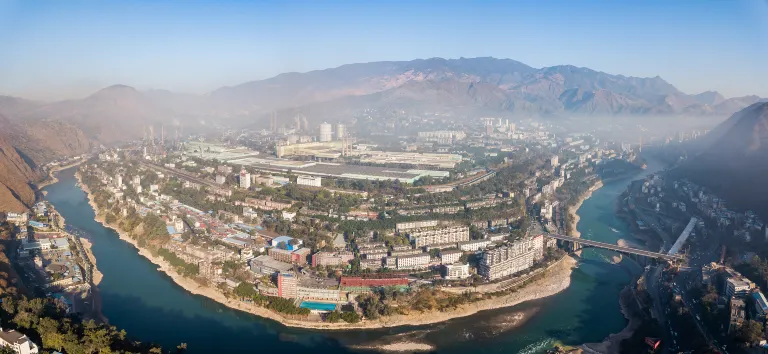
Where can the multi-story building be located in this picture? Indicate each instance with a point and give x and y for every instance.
(511, 258)
(245, 179)
(403, 226)
(415, 261)
(17, 342)
(331, 259)
(456, 271)
(287, 284)
(450, 256)
(321, 294)
(737, 286)
(438, 234)
(220, 179)
(760, 308)
(442, 136)
(264, 204)
(298, 256)
(737, 314)
(474, 245)
(312, 181)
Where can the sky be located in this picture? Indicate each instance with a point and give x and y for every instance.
(68, 49)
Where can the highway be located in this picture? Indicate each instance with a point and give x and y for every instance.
(608, 246)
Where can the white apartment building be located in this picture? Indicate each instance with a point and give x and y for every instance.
(512, 258)
(450, 256)
(438, 234)
(415, 261)
(18, 342)
(474, 245)
(245, 179)
(220, 179)
(456, 271)
(312, 181)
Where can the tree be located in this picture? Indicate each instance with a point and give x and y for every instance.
(750, 332)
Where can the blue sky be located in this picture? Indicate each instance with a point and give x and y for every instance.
(60, 49)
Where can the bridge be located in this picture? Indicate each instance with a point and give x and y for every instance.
(628, 250)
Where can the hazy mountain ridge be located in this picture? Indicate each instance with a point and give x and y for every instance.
(473, 85)
(735, 164)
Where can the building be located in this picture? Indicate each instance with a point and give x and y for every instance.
(298, 256)
(438, 234)
(474, 245)
(17, 218)
(220, 179)
(326, 132)
(287, 284)
(760, 306)
(415, 261)
(18, 342)
(443, 137)
(312, 181)
(455, 271)
(402, 226)
(332, 259)
(554, 161)
(737, 314)
(511, 258)
(245, 179)
(450, 256)
(738, 286)
(267, 265)
(308, 293)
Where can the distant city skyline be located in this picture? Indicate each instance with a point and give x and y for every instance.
(57, 50)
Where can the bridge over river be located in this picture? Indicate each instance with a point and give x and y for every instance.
(580, 242)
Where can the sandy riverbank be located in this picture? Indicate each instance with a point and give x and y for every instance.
(558, 279)
(572, 210)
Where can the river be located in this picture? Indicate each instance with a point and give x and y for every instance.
(152, 308)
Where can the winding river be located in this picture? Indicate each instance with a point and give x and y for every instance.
(151, 307)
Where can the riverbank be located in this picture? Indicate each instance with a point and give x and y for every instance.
(572, 210)
(612, 344)
(556, 280)
(51, 178)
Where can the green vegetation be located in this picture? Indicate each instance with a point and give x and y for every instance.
(184, 268)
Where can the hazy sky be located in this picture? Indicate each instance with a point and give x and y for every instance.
(56, 49)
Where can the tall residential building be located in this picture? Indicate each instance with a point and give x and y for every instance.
(287, 284)
(245, 179)
(119, 180)
(326, 132)
(512, 258)
(438, 234)
(220, 179)
(341, 129)
(402, 226)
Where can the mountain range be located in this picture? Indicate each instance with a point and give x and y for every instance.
(502, 86)
(735, 164)
(41, 131)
